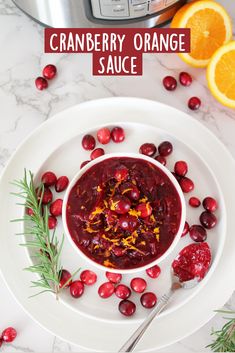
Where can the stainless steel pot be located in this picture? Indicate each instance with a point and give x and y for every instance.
(100, 13)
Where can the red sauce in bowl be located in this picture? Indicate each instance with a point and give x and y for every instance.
(123, 213)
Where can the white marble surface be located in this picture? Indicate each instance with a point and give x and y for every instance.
(23, 108)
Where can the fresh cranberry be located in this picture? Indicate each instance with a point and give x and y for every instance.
(186, 229)
(52, 222)
(130, 190)
(47, 196)
(148, 300)
(121, 173)
(185, 79)
(165, 148)
(106, 290)
(197, 233)
(29, 211)
(65, 278)
(170, 83)
(120, 204)
(181, 168)
(41, 83)
(88, 277)
(122, 291)
(61, 183)
(88, 142)
(56, 208)
(153, 271)
(77, 289)
(127, 308)
(117, 134)
(104, 135)
(194, 202)
(113, 277)
(98, 152)
(186, 184)
(128, 222)
(145, 209)
(208, 220)
(9, 334)
(49, 72)
(148, 149)
(138, 285)
(210, 204)
(49, 179)
(83, 164)
(194, 103)
(161, 159)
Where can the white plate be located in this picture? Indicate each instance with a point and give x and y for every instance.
(43, 150)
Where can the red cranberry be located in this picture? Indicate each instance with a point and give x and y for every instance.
(98, 152)
(121, 173)
(56, 208)
(113, 277)
(104, 135)
(186, 184)
(65, 278)
(47, 196)
(153, 271)
(122, 291)
(181, 168)
(88, 277)
(61, 183)
(118, 134)
(118, 251)
(194, 202)
(148, 300)
(9, 334)
(186, 229)
(127, 308)
(41, 83)
(127, 222)
(49, 71)
(49, 179)
(197, 233)
(165, 148)
(148, 149)
(88, 142)
(130, 190)
(52, 222)
(208, 220)
(138, 285)
(194, 103)
(29, 211)
(77, 289)
(83, 164)
(120, 204)
(106, 290)
(185, 79)
(170, 83)
(161, 159)
(210, 204)
(145, 209)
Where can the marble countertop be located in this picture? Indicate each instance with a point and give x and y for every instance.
(23, 108)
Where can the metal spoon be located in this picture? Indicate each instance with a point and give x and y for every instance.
(164, 300)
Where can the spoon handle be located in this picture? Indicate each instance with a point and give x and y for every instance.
(136, 336)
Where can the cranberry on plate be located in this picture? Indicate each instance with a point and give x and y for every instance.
(148, 300)
(113, 277)
(88, 142)
(83, 164)
(122, 291)
(127, 307)
(148, 149)
(165, 148)
(186, 229)
(208, 220)
(47, 195)
(186, 184)
(98, 152)
(210, 204)
(76, 289)
(138, 285)
(104, 135)
(65, 278)
(154, 271)
(88, 277)
(118, 134)
(194, 202)
(181, 168)
(56, 207)
(161, 159)
(49, 179)
(52, 222)
(62, 183)
(197, 233)
(106, 290)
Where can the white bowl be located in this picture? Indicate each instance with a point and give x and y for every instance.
(128, 155)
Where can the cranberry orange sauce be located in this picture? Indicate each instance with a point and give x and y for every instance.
(123, 213)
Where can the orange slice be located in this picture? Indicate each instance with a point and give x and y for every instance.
(210, 26)
(221, 75)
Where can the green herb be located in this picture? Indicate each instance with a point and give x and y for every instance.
(224, 338)
(45, 246)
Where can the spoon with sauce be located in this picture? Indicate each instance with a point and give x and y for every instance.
(188, 269)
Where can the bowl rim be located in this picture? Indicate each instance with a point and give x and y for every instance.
(165, 170)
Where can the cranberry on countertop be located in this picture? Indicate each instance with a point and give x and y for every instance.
(127, 307)
(185, 79)
(8, 335)
(49, 71)
(41, 83)
(118, 134)
(170, 83)
(194, 103)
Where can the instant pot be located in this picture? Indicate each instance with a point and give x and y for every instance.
(100, 13)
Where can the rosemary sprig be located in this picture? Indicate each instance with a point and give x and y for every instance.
(44, 245)
(225, 338)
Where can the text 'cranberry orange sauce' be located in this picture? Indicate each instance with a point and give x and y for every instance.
(123, 212)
